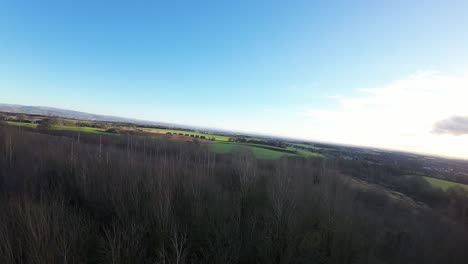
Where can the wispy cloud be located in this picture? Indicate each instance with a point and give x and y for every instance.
(402, 115)
(456, 125)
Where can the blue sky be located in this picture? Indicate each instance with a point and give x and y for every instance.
(258, 66)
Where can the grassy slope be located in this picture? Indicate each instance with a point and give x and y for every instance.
(443, 184)
(99, 130)
(14, 123)
(309, 146)
(222, 148)
(308, 153)
(303, 145)
(259, 152)
(284, 151)
(164, 131)
(69, 128)
(263, 153)
(80, 129)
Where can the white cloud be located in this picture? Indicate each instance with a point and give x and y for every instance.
(455, 125)
(400, 115)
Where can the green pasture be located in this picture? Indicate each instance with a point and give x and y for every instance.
(303, 145)
(259, 152)
(223, 146)
(80, 129)
(443, 184)
(68, 128)
(177, 131)
(21, 124)
(306, 153)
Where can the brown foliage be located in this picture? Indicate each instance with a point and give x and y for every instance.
(126, 199)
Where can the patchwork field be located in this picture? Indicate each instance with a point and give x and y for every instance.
(68, 128)
(443, 184)
(14, 123)
(161, 131)
(80, 129)
(306, 153)
(221, 144)
(303, 145)
(260, 151)
(177, 131)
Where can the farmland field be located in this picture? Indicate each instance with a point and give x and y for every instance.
(14, 123)
(289, 150)
(312, 146)
(303, 145)
(260, 151)
(68, 128)
(100, 130)
(306, 153)
(80, 129)
(263, 153)
(222, 146)
(443, 184)
(177, 131)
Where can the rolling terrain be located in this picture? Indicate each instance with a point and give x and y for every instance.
(407, 163)
(217, 143)
(131, 198)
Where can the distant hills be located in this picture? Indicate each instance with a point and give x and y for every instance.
(65, 113)
(50, 111)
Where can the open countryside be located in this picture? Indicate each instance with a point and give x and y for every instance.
(220, 144)
(444, 184)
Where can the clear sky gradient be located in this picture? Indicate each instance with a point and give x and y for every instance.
(374, 73)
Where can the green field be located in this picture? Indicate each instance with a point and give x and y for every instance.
(443, 184)
(285, 151)
(304, 145)
(177, 131)
(92, 130)
(100, 130)
(68, 128)
(311, 146)
(306, 153)
(259, 152)
(14, 123)
(223, 146)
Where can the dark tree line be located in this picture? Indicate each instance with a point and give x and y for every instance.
(452, 203)
(66, 198)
